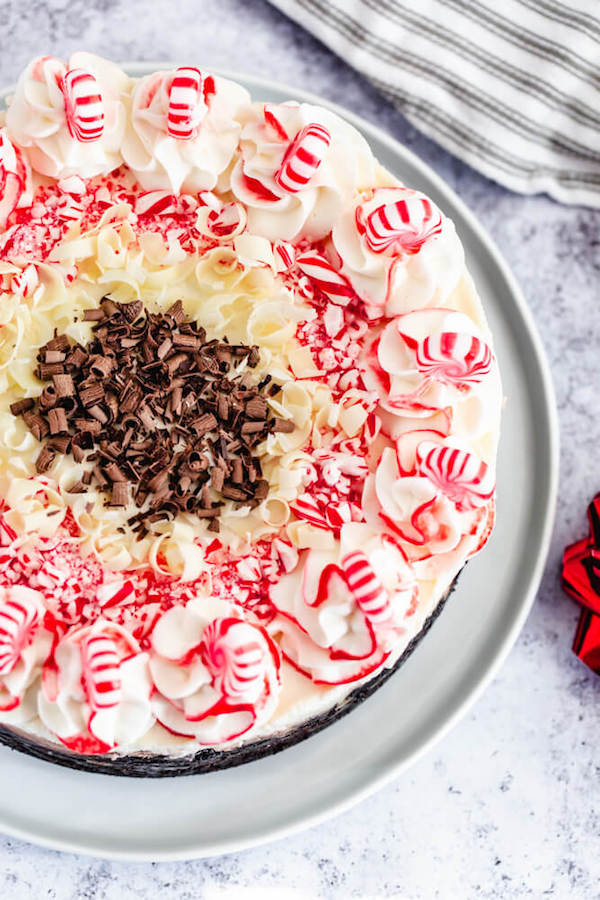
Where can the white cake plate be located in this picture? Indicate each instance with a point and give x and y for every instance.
(225, 811)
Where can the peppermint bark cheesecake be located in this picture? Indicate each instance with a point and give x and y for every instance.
(249, 413)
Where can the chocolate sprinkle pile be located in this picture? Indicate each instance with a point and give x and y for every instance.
(156, 414)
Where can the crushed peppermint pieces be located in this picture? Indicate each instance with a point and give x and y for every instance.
(155, 413)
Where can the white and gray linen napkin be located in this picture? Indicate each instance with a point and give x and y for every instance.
(511, 87)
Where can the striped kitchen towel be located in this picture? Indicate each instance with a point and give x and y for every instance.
(511, 87)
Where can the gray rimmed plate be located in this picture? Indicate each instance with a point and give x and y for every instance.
(236, 808)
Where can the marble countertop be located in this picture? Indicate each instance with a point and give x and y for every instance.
(507, 805)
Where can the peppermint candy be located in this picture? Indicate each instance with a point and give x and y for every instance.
(100, 664)
(321, 273)
(286, 254)
(404, 225)
(84, 107)
(461, 476)
(305, 507)
(233, 652)
(187, 106)
(338, 514)
(454, 357)
(18, 620)
(7, 533)
(369, 593)
(303, 157)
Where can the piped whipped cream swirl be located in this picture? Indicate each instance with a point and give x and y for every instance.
(161, 161)
(433, 494)
(434, 364)
(398, 250)
(299, 166)
(24, 647)
(216, 675)
(96, 694)
(45, 115)
(342, 611)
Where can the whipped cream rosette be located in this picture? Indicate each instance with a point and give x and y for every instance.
(15, 178)
(249, 413)
(398, 250)
(69, 117)
(434, 364)
(216, 675)
(433, 494)
(299, 165)
(24, 646)
(96, 689)
(341, 612)
(182, 129)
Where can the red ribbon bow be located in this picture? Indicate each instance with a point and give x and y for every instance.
(581, 580)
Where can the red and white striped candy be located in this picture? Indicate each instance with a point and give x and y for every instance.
(338, 514)
(84, 107)
(7, 533)
(18, 619)
(101, 673)
(303, 157)
(404, 225)
(234, 654)
(286, 554)
(461, 476)
(369, 593)
(25, 282)
(286, 253)
(114, 593)
(305, 507)
(186, 103)
(331, 282)
(455, 357)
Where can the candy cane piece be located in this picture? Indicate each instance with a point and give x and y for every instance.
(25, 282)
(404, 224)
(286, 253)
(84, 107)
(331, 282)
(339, 514)
(186, 103)
(306, 508)
(101, 674)
(370, 595)
(303, 157)
(455, 357)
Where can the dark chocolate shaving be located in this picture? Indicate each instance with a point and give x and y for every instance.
(155, 414)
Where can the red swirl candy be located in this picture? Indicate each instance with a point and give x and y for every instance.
(18, 620)
(369, 593)
(303, 157)
(84, 107)
(234, 655)
(186, 103)
(461, 476)
(100, 663)
(454, 357)
(404, 225)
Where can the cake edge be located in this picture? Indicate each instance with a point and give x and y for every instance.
(144, 764)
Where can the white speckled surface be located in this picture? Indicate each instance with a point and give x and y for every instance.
(507, 806)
